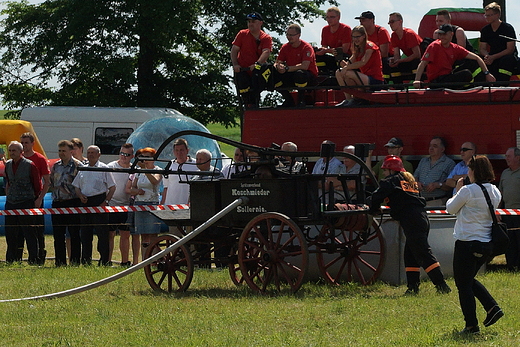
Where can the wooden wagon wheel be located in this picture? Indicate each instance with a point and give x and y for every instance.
(234, 267)
(272, 253)
(351, 255)
(172, 272)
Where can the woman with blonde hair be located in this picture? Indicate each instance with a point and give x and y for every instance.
(401, 193)
(366, 57)
(473, 241)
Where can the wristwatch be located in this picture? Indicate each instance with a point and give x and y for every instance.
(107, 201)
(440, 184)
(487, 72)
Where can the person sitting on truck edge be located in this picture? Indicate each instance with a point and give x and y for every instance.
(177, 192)
(406, 40)
(432, 171)
(335, 42)
(395, 147)
(249, 53)
(23, 186)
(94, 189)
(502, 56)
(380, 36)
(295, 66)
(407, 207)
(439, 58)
(64, 194)
(27, 141)
(367, 58)
(459, 36)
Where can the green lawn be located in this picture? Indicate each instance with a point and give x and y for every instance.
(232, 133)
(213, 312)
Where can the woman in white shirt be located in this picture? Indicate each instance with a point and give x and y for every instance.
(145, 188)
(473, 241)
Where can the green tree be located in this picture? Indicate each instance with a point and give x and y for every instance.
(171, 53)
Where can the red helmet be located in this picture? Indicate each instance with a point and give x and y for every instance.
(394, 163)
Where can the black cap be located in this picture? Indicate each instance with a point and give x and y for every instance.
(443, 29)
(367, 15)
(395, 142)
(255, 15)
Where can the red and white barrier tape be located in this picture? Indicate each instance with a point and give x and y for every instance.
(141, 208)
(501, 211)
(94, 209)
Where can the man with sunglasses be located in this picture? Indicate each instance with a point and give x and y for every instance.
(467, 151)
(405, 40)
(249, 53)
(502, 56)
(335, 41)
(118, 221)
(295, 66)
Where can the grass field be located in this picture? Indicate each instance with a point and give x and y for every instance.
(232, 133)
(213, 312)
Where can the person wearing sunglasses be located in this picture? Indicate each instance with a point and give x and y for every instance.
(467, 151)
(335, 41)
(118, 221)
(502, 56)
(366, 57)
(249, 53)
(295, 66)
(405, 40)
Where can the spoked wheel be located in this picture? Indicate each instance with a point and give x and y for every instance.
(272, 253)
(351, 255)
(173, 271)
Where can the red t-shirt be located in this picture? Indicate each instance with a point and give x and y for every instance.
(374, 66)
(410, 40)
(337, 38)
(441, 59)
(41, 163)
(381, 36)
(250, 48)
(294, 56)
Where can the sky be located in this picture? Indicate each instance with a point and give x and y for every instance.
(412, 11)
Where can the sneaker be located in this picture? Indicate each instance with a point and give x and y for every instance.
(126, 264)
(443, 288)
(495, 314)
(470, 330)
(344, 103)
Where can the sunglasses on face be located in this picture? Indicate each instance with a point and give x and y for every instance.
(125, 154)
(464, 149)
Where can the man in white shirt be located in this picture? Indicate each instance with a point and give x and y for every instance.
(94, 188)
(176, 192)
(118, 221)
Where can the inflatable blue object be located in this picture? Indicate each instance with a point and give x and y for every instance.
(154, 132)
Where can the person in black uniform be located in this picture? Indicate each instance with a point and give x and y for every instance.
(407, 207)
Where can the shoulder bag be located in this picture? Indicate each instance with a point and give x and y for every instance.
(499, 237)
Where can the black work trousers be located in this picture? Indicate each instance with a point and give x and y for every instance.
(468, 257)
(99, 222)
(60, 224)
(417, 250)
(18, 228)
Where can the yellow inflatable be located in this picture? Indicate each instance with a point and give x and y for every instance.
(10, 130)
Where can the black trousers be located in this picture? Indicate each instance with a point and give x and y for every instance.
(468, 257)
(60, 224)
(417, 250)
(89, 223)
(18, 228)
(513, 253)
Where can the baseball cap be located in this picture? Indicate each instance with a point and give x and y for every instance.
(367, 15)
(395, 142)
(443, 29)
(255, 15)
